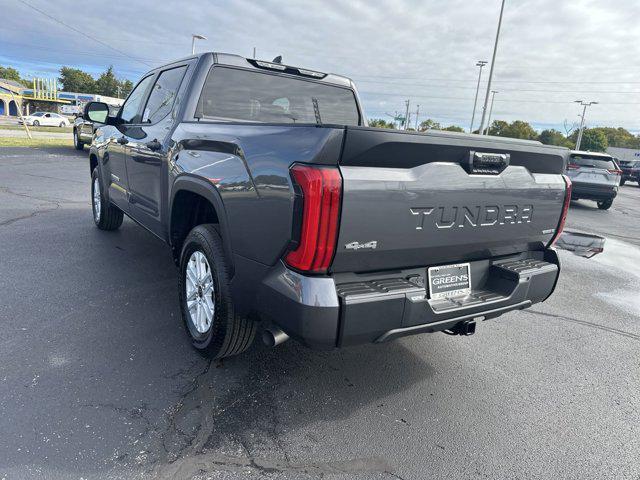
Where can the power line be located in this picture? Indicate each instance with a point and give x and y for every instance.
(469, 87)
(83, 33)
(508, 100)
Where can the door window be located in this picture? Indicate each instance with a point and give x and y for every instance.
(131, 107)
(163, 95)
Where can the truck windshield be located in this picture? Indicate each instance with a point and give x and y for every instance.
(596, 161)
(233, 94)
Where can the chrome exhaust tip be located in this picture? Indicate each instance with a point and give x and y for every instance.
(274, 336)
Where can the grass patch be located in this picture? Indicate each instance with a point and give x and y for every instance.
(35, 142)
(37, 129)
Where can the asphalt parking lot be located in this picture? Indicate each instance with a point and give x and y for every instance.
(98, 380)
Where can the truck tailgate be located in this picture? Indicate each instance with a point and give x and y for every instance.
(411, 200)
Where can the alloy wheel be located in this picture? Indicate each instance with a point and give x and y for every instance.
(97, 203)
(200, 290)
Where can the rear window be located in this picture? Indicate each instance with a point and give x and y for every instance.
(233, 94)
(595, 161)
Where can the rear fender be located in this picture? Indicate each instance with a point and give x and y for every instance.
(204, 188)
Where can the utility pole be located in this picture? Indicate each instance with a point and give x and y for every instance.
(195, 36)
(584, 111)
(481, 63)
(406, 116)
(417, 114)
(493, 64)
(493, 96)
(254, 53)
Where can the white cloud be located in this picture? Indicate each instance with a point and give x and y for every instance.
(421, 50)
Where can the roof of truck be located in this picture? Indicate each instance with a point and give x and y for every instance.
(230, 59)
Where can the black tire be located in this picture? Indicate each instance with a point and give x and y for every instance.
(36, 123)
(623, 181)
(110, 217)
(229, 334)
(605, 204)
(62, 125)
(76, 140)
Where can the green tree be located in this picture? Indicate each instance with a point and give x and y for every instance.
(76, 80)
(593, 139)
(520, 129)
(554, 137)
(125, 88)
(107, 83)
(380, 123)
(497, 128)
(429, 124)
(10, 73)
(454, 128)
(619, 137)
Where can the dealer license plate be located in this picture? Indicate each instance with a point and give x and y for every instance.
(449, 280)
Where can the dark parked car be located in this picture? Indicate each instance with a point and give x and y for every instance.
(83, 129)
(630, 171)
(282, 206)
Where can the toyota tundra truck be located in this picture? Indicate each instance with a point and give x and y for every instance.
(287, 215)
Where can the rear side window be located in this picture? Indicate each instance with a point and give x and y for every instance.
(595, 161)
(233, 94)
(163, 95)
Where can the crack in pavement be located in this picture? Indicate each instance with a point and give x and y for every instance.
(53, 178)
(56, 202)
(623, 333)
(190, 466)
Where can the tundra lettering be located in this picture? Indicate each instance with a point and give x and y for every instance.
(287, 215)
(483, 216)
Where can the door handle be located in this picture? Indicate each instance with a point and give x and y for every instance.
(123, 141)
(154, 145)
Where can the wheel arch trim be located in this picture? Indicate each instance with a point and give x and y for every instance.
(198, 185)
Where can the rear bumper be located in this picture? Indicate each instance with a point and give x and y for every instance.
(328, 312)
(590, 191)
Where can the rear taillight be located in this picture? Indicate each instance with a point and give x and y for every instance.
(573, 166)
(618, 172)
(321, 191)
(565, 210)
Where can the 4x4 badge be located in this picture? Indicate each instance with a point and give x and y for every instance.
(357, 246)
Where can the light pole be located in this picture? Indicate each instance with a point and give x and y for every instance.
(406, 116)
(193, 41)
(584, 110)
(481, 63)
(417, 114)
(493, 96)
(493, 64)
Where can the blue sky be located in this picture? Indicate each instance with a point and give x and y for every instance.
(551, 52)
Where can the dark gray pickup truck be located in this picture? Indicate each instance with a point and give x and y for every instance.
(284, 210)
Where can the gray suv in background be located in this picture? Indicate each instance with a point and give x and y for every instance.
(595, 176)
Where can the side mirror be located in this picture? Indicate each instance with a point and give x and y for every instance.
(96, 112)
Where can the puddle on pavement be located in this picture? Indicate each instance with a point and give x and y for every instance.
(618, 257)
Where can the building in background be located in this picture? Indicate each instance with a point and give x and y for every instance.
(10, 98)
(44, 96)
(626, 154)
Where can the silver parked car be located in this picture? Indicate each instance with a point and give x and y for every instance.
(595, 176)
